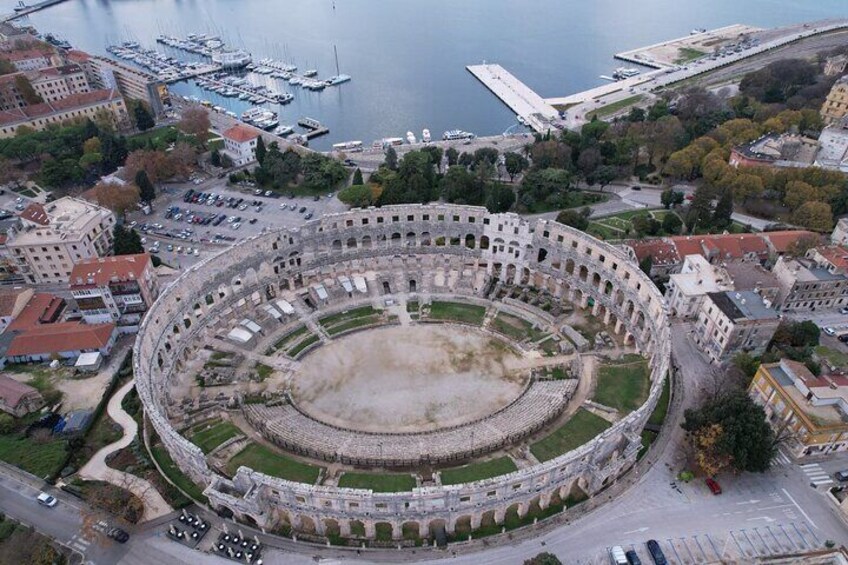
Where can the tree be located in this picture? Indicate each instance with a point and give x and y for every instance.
(746, 363)
(357, 177)
(24, 86)
(126, 241)
(644, 224)
(588, 161)
(816, 216)
(514, 164)
(499, 198)
(543, 559)
(215, 158)
(357, 196)
(575, 219)
(391, 158)
(646, 265)
(670, 197)
(143, 120)
(723, 210)
(731, 431)
(261, 151)
(672, 223)
(457, 186)
(195, 121)
(453, 156)
(605, 174)
(746, 186)
(147, 192)
(117, 197)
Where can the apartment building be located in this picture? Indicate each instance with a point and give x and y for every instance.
(816, 281)
(50, 84)
(731, 322)
(32, 58)
(835, 106)
(687, 289)
(56, 236)
(93, 105)
(240, 144)
(115, 289)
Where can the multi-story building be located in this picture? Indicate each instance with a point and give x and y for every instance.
(32, 58)
(115, 289)
(810, 412)
(835, 106)
(778, 150)
(50, 84)
(833, 146)
(840, 232)
(54, 237)
(731, 322)
(835, 65)
(686, 290)
(815, 282)
(133, 83)
(9, 32)
(96, 104)
(240, 144)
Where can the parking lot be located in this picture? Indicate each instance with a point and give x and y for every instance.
(191, 220)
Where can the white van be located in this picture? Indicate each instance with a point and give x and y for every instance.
(617, 556)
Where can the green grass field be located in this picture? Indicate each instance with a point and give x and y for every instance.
(687, 54)
(40, 459)
(515, 327)
(208, 437)
(582, 427)
(834, 357)
(382, 482)
(615, 107)
(351, 324)
(289, 339)
(332, 319)
(306, 342)
(465, 313)
(658, 415)
(170, 469)
(264, 460)
(478, 471)
(623, 385)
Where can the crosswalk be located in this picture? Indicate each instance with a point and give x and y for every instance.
(816, 474)
(781, 459)
(79, 543)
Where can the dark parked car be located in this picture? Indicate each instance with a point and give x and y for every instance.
(632, 558)
(841, 476)
(656, 552)
(635, 187)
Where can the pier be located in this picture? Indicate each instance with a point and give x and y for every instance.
(520, 98)
(30, 9)
(314, 127)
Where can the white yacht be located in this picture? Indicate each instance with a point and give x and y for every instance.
(410, 137)
(455, 134)
(350, 146)
(425, 136)
(622, 73)
(232, 59)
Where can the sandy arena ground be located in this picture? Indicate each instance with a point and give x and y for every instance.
(406, 379)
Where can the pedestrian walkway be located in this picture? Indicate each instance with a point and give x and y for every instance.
(781, 459)
(816, 474)
(79, 543)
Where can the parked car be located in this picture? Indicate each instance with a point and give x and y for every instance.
(617, 556)
(636, 187)
(45, 499)
(829, 331)
(841, 476)
(843, 310)
(656, 552)
(715, 488)
(633, 558)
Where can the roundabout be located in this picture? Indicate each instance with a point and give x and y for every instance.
(404, 374)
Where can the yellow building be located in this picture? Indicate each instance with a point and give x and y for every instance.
(836, 104)
(812, 410)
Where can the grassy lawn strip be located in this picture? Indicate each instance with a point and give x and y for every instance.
(293, 352)
(478, 471)
(264, 460)
(623, 385)
(350, 324)
(332, 319)
(572, 199)
(264, 371)
(614, 107)
(466, 313)
(687, 54)
(383, 482)
(40, 459)
(170, 469)
(515, 327)
(412, 306)
(836, 358)
(214, 435)
(582, 427)
(289, 338)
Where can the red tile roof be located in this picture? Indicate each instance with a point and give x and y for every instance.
(835, 255)
(100, 271)
(663, 252)
(77, 56)
(781, 241)
(13, 391)
(724, 246)
(26, 54)
(70, 102)
(241, 134)
(62, 336)
(36, 214)
(8, 299)
(34, 312)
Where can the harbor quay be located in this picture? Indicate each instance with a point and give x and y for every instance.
(673, 61)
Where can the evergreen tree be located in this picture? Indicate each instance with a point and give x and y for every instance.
(391, 158)
(126, 242)
(723, 210)
(260, 151)
(215, 158)
(147, 192)
(143, 119)
(357, 177)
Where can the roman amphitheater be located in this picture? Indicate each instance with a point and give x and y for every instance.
(405, 374)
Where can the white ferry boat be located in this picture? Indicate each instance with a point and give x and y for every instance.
(455, 134)
(349, 146)
(622, 73)
(283, 131)
(232, 59)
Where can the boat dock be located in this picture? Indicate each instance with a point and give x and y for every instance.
(314, 127)
(520, 98)
(30, 9)
(682, 50)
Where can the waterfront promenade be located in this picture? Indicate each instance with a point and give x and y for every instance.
(518, 96)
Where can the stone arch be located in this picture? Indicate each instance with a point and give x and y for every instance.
(542, 255)
(306, 524)
(425, 238)
(583, 273)
(366, 242)
(412, 285)
(510, 272)
(511, 514)
(596, 280)
(628, 310)
(470, 241)
(357, 528)
(384, 531)
(434, 525)
(484, 242)
(487, 518)
(337, 245)
(608, 288)
(410, 239)
(396, 238)
(331, 527)
(411, 530)
(525, 276)
(250, 520)
(462, 525)
(569, 266)
(351, 243)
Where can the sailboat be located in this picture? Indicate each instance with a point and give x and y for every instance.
(338, 78)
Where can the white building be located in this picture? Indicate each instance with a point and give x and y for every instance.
(731, 322)
(56, 236)
(840, 232)
(240, 144)
(815, 282)
(115, 289)
(686, 290)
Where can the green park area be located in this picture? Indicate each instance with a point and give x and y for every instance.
(515, 327)
(623, 384)
(579, 429)
(457, 312)
(209, 435)
(265, 460)
(478, 471)
(378, 482)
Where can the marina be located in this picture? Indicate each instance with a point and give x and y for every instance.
(314, 127)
